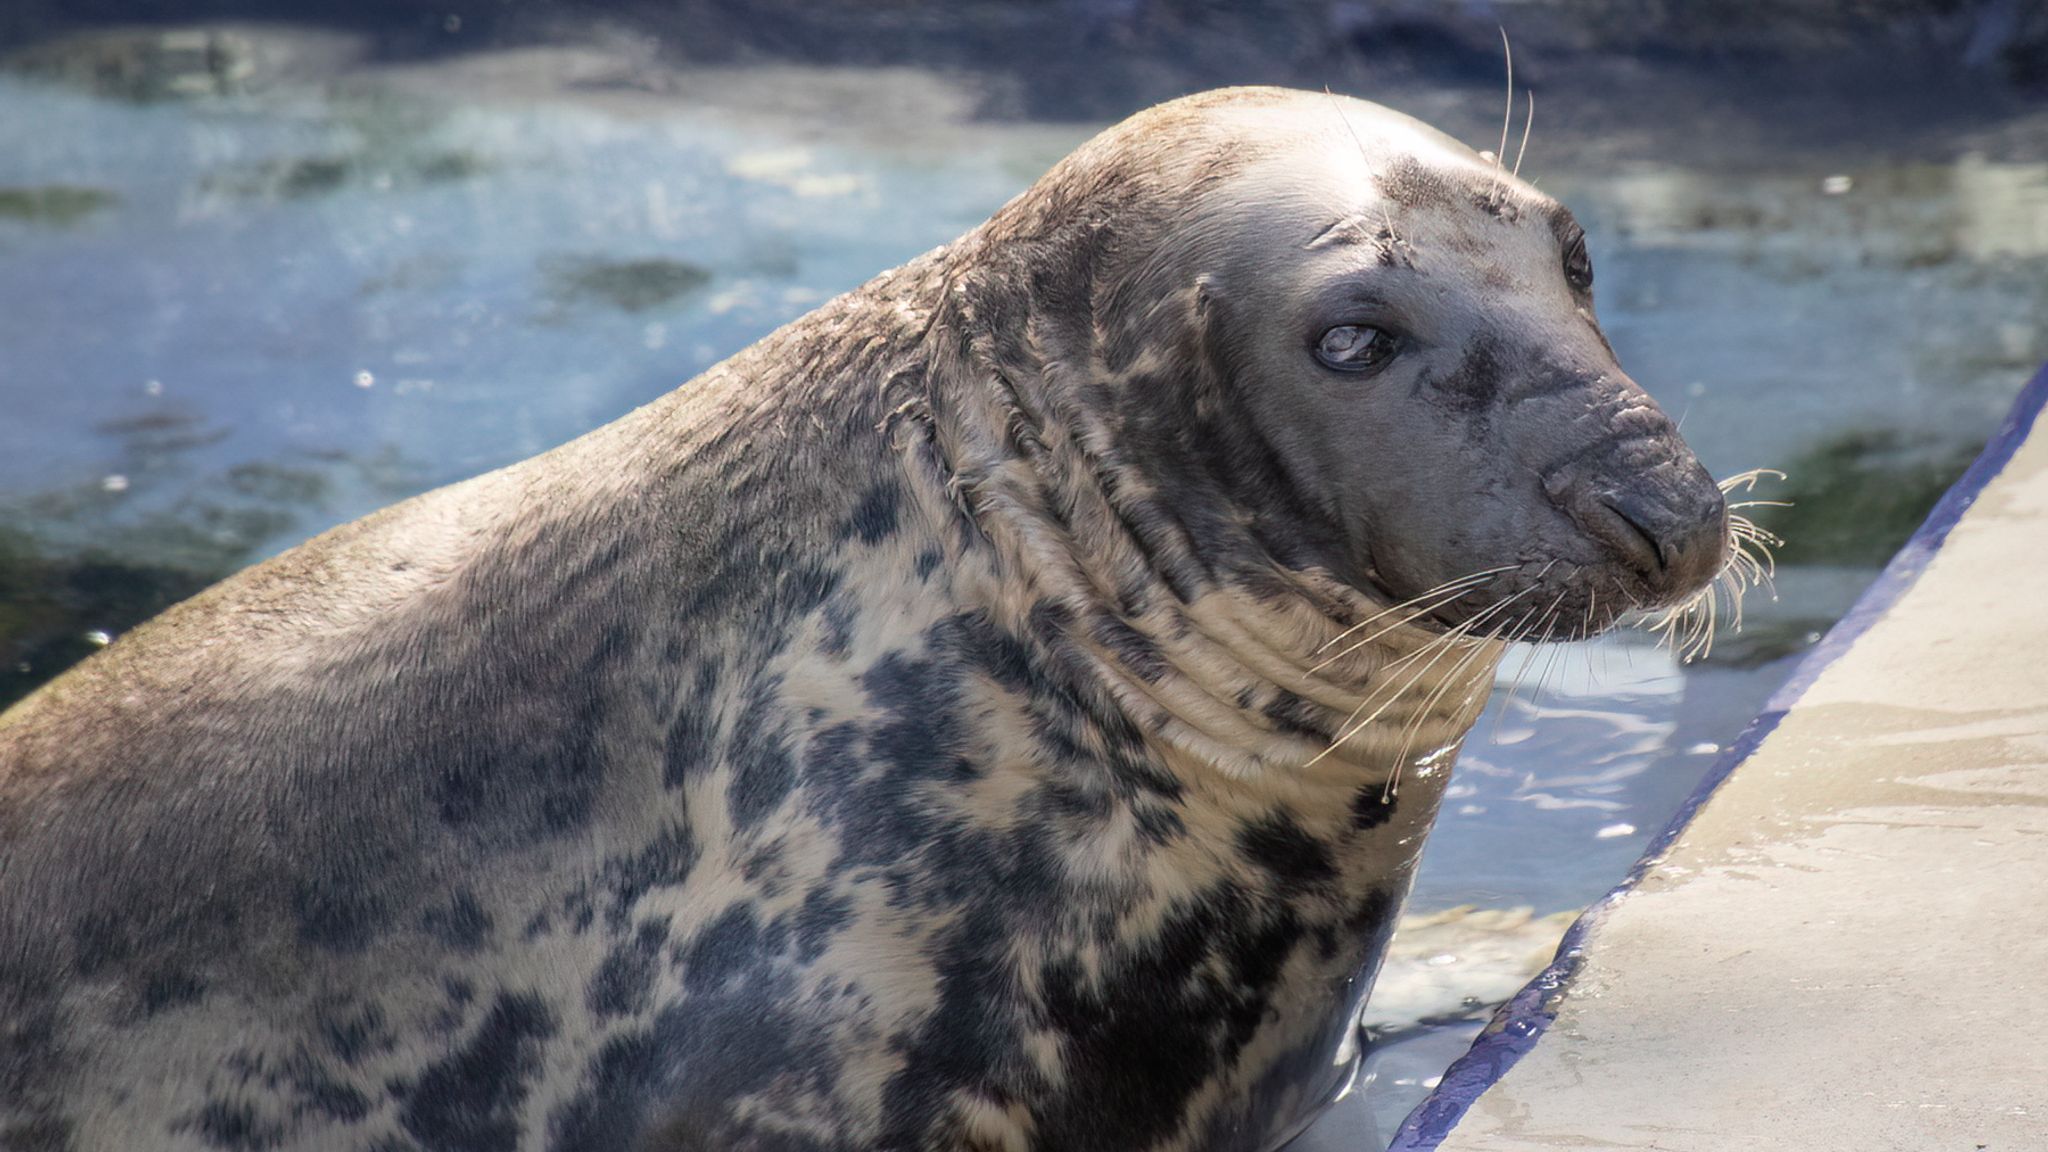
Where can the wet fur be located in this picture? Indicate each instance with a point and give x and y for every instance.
(904, 735)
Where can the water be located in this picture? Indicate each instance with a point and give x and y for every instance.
(232, 321)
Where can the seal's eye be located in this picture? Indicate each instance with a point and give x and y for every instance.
(1355, 348)
(1578, 267)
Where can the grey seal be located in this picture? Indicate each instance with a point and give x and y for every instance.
(999, 710)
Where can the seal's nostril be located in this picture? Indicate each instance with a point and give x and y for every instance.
(1675, 538)
(1658, 548)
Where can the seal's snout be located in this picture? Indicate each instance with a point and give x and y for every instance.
(1680, 539)
(1668, 523)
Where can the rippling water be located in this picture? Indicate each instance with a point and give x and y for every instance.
(234, 322)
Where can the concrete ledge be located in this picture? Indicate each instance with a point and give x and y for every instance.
(1839, 943)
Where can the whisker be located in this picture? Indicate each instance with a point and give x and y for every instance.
(1347, 730)
(1729, 586)
(1439, 646)
(1742, 527)
(1555, 653)
(1600, 673)
(1463, 583)
(1507, 118)
(1413, 728)
(1498, 634)
(1394, 627)
(1541, 630)
(1386, 214)
(1747, 480)
(1508, 702)
(1689, 629)
(1527, 123)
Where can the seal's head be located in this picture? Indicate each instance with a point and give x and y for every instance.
(1397, 372)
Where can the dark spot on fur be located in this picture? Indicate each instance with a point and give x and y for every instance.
(469, 1101)
(921, 736)
(320, 1094)
(1374, 910)
(1476, 383)
(98, 942)
(353, 1035)
(463, 925)
(765, 867)
(765, 592)
(1494, 199)
(611, 1111)
(1090, 734)
(38, 1134)
(668, 1086)
(1070, 804)
(234, 1125)
(800, 591)
(337, 914)
(832, 760)
(693, 737)
(1134, 649)
(458, 993)
(1365, 928)
(1048, 621)
(822, 916)
(1167, 1014)
(534, 768)
(1371, 807)
(928, 562)
(1296, 716)
(1159, 823)
(975, 641)
(1409, 183)
(622, 880)
(624, 984)
(1297, 861)
(842, 613)
(976, 1018)
(722, 950)
(1093, 738)
(763, 769)
(874, 518)
(169, 989)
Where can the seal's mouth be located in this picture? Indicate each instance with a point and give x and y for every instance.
(1563, 600)
(1551, 600)
(1531, 599)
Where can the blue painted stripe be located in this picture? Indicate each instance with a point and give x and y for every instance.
(1522, 1021)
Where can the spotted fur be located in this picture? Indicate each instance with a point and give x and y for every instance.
(904, 736)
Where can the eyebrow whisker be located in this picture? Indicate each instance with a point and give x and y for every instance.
(1507, 118)
(1527, 123)
(1385, 215)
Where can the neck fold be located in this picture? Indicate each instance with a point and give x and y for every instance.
(1156, 593)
